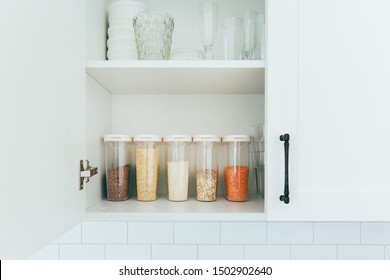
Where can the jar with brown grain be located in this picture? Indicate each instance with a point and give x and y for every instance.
(147, 159)
(206, 166)
(236, 173)
(117, 167)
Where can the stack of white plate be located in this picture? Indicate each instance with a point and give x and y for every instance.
(121, 43)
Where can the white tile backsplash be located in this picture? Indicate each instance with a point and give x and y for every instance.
(314, 252)
(267, 252)
(290, 233)
(243, 233)
(174, 252)
(336, 233)
(222, 240)
(220, 252)
(361, 252)
(104, 232)
(197, 233)
(375, 233)
(128, 252)
(82, 252)
(151, 232)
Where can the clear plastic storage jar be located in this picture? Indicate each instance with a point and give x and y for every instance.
(236, 172)
(177, 166)
(147, 154)
(206, 166)
(117, 167)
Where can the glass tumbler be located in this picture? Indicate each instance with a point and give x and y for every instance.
(230, 41)
(177, 166)
(251, 34)
(147, 154)
(257, 157)
(206, 166)
(236, 172)
(117, 167)
(153, 35)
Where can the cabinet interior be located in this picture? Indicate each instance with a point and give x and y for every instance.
(165, 107)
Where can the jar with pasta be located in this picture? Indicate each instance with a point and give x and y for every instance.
(236, 172)
(206, 166)
(147, 156)
(177, 166)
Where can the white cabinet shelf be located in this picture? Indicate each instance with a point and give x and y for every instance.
(179, 77)
(164, 210)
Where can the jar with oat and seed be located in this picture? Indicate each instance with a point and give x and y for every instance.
(147, 154)
(117, 167)
(206, 166)
(236, 172)
(177, 166)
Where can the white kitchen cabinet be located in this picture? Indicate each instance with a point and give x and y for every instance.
(42, 116)
(328, 88)
(324, 82)
(176, 97)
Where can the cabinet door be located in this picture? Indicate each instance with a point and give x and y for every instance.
(329, 89)
(42, 121)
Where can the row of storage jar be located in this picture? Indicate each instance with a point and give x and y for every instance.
(177, 166)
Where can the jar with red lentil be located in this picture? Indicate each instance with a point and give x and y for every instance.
(236, 173)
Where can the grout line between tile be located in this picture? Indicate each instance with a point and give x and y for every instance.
(128, 232)
(220, 232)
(81, 232)
(174, 232)
(313, 233)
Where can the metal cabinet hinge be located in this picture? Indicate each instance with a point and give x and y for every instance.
(86, 172)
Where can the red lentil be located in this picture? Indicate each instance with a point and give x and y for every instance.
(236, 183)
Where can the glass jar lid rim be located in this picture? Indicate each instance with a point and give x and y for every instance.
(236, 138)
(177, 138)
(207, 138)
(146, 138)
(116, 138)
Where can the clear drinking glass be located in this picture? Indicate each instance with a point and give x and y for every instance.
(257, 157)
(230, 42)
(208, 26)
(251, 34)
(153, 35)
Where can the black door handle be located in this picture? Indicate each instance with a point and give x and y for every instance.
(285, 197)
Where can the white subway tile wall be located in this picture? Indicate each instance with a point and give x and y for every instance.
(220, 252)
(151, 232)
(267, 252)
(375, 233)
(314, 252)
(174, 252)
(128, 252)
(290, 233)
(222, 240)
(366, 252)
